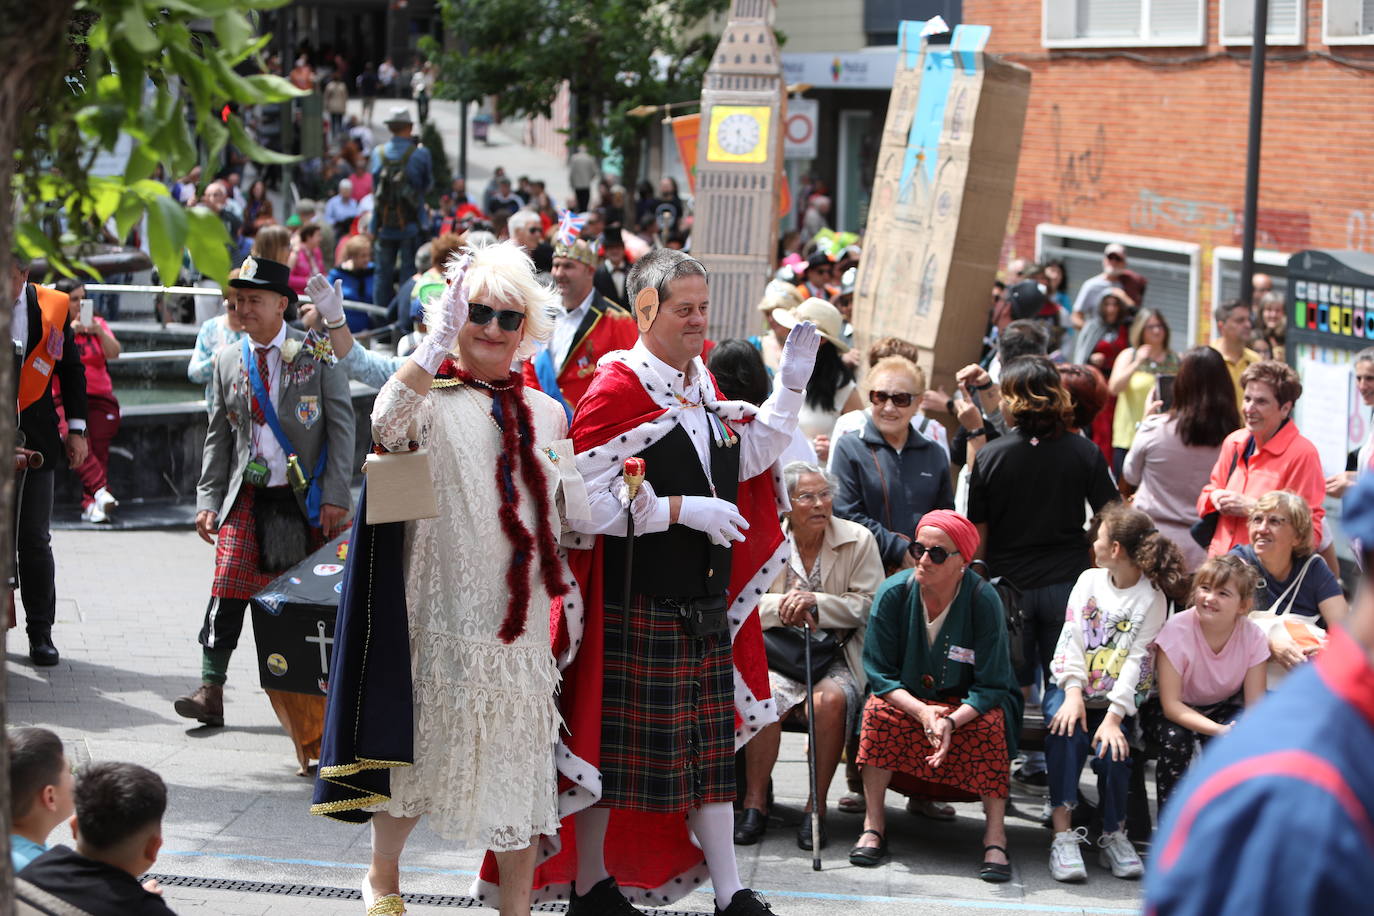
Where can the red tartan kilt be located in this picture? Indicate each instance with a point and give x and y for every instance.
(977, 763)
(236, 552)
(668, 720)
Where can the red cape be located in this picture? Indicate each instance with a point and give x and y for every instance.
(652, 856)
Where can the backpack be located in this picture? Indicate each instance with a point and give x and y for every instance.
(396, 201)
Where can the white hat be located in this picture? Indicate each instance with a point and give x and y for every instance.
(822, 314)
(399, 115)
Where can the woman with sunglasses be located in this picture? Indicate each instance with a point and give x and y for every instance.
(945, 712)
(477, 582)
(889, 475)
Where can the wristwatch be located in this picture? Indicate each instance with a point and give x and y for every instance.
(975, 433)
(953, 726)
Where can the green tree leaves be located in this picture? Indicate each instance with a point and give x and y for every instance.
(148, 69)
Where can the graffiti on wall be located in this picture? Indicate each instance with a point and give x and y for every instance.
(1078, 171)
(1359, 230)
(1156, 212)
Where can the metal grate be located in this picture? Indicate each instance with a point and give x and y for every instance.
(342, 893)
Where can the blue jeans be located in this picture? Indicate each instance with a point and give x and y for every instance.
(1066, 756)
(385, 252)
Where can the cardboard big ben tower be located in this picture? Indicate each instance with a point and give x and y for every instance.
(941, 195)
(739, 167)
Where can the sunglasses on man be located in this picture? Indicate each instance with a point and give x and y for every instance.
(938, 554)
(898, 398)
(506, 319)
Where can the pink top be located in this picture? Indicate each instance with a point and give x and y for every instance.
(306, 262)
(1210, 677)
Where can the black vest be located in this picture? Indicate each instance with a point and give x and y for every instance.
(680, 562)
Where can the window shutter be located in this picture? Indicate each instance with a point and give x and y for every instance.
(1108, 18)
(1285, 21)
(1179, 19)
(1348, 22)
(1060, 20)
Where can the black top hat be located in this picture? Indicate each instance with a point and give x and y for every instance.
(260, 273)
(611, 235)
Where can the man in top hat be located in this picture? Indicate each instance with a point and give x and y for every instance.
(278, 461)
(402, 174)
(615, 264)
(590, 326)
(1291, 774)
(658, 695)
(43, 348)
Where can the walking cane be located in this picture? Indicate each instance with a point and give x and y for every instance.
(634, 476)
(811, 757)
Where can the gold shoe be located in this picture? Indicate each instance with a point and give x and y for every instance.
(390, 905)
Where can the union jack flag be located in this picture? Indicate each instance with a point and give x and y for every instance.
(570, 226)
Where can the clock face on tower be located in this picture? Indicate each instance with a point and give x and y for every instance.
(738, 133)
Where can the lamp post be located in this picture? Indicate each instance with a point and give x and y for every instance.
(1259, 39)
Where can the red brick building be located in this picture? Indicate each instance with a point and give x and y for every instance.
(1137, 130)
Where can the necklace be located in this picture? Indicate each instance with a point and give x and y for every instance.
(480, 383)
(485, 412)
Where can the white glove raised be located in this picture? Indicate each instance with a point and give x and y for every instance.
(452, 315)
(799, 356)
(328, 300)
(717, 518)
(644, 505)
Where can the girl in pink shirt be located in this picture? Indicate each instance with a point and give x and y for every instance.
(1209, 664)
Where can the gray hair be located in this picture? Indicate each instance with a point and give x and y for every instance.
(659, 268)
(424, 258)
(1365, 356)
(793, 471)
(524, 219)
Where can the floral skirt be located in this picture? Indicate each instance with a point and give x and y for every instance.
(977, 764)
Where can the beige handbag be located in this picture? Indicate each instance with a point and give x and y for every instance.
(400, 487)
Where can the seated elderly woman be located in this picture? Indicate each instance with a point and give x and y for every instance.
(832, 571)
(946, 709)
(890, 475)
(1298, 594)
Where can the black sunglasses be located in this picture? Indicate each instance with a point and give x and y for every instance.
(506, 319)
(938, 554)
(898, 398)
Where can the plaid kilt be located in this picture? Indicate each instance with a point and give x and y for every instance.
(236, 552)
(668, 714)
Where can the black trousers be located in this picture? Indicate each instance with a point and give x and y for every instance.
(223, 623)
(584, 198)
(33, 543)
(1043, 609)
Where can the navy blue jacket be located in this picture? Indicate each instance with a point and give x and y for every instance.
(888, 491)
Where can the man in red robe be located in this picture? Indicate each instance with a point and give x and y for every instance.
(657, 701)
(589, 327)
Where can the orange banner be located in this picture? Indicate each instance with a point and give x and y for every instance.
(686, 130)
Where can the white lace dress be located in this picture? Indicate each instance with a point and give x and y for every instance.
(486, 720)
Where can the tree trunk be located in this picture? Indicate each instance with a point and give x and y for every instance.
(33, 46)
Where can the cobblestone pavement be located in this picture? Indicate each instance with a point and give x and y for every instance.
(129, 607)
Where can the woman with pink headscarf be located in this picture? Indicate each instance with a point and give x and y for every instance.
(946, 709)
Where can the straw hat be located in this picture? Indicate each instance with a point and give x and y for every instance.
(779, 294)
(822, 314)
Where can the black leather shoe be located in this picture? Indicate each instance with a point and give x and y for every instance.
(42, 652)
(604, 899)
(746, 903)
(804, 839)
(750, 826)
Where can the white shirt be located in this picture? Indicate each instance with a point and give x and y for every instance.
(565, 330)
(761, 442)
(265, 445)
(19, 322)
(618, 275)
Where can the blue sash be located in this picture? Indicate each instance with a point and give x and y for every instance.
(547, 373)
(313, 495)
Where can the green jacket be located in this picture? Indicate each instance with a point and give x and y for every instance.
(897, 653)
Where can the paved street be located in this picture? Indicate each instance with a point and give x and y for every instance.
(129, 606)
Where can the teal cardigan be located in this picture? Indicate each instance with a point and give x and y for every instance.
(898, 654)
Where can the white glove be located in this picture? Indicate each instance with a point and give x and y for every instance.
(644, 506)
(328, 300)
(717, 518)
(453, 314)
(799, 356)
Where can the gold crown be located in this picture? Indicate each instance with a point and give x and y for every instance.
(581, 250)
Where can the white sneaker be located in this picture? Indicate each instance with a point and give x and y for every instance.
(1119, 855)
(93, 514)
(1066, 859)
(105, 500)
